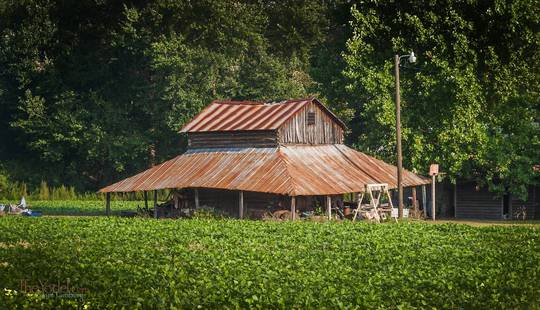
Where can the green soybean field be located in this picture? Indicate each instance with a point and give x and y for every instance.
(98, 262)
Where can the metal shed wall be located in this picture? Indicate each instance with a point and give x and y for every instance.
(531, 204)
(477, 204)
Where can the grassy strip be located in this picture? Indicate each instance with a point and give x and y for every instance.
(82, 207)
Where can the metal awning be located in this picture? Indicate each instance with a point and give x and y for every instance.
(288, 170)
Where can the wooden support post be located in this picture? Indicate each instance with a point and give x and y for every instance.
(108, 204)
(241, 204)
(433, 197)
(146, 200)
(155, 205)
(293, 208)
(175, 199)
(424, 199)
(414, 204)
(196, 192)
(329, 207)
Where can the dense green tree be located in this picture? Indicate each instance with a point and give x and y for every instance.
(470, 103)
(93, 91)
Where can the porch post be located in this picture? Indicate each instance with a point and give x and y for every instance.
(424, 198)
(155, 204)
(146, 200)
(196, 192)
(241, 204)
(175, 199)
(413, 189)
(293, 207)
(108, 204)
(329, 207)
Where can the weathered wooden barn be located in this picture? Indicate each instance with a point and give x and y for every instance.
(244, 157)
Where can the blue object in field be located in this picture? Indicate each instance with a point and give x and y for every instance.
(31, 213)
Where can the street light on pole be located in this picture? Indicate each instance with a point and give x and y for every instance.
(397, 59)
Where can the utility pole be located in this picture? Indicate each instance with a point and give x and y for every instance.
(397, 61)
(398, 140)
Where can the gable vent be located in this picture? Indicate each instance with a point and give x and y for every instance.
(311, 118)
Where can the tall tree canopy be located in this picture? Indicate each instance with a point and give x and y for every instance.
(471, 103)
(94, 90)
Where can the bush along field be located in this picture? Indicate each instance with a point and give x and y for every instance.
(83, 207)
(80, 207)
(98, 262)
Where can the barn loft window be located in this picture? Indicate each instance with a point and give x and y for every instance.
(311, 118)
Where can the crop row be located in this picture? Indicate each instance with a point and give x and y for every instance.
(143, 263)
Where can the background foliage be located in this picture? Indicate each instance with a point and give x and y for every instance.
(93, 91)
(470, 103)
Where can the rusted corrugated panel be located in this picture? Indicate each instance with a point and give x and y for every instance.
(248, 115)
(382, 170)
(288, 170)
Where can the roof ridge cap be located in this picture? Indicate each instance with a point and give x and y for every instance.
(237, 102)
(282, 159)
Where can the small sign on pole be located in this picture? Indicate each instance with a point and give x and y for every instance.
(433, 171)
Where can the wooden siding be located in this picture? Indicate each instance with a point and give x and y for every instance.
(477, 204)
(324, 131)
(531, 204)
(262, 138)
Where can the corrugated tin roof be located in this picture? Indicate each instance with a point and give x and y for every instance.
(249, 115)
(289, 170)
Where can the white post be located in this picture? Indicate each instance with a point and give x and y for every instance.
(241, 204)
(329, 207)
(433, 197)
(359, 198)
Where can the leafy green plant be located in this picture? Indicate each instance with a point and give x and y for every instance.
(144, 263)
(207, 213)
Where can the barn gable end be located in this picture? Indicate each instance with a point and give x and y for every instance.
(240, 124)
(311, 125)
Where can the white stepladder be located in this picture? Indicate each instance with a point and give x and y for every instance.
(375, 210)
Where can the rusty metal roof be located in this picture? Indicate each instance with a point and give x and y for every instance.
(249, 115)
(289, 170)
